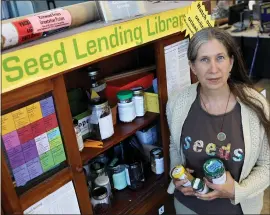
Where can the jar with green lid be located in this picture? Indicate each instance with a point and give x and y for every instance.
(214, 171)
(126, 107)
(96, 82)
(138, 99)
(199, 186)
(101, 124)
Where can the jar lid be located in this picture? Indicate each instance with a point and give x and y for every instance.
(92, 71)
(124, 94)
(157, 153)
(102, 180)
(213, 167)
(99, 193)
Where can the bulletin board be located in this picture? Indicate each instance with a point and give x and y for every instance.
(32, 140)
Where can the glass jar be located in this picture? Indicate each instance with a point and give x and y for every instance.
(97, 169)
(103, 181)
(100, 200)
(96, 82)
(118, 176)
(138, 99)
(157, 161)
(135, 175)
(101, 124)
(126, 107)
(78, 135)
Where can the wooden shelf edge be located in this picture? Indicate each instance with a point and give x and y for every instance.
(45, 188)
(121, 132)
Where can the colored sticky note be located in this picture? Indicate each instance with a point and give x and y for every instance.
(38, 127)
(52, 134)
(8, 124)
(46, 161)
(50, 122)
(29, 150)
(151, 101)
(16, 160)
(13, 151)
(42, 143)
(34, 167)
(47, 106)
(20, 118)
(21, 175)
(58, 153)
(55, 142)
(25, 134)
(34, 112)
(11, 140)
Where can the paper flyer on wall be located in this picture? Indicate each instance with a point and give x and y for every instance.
(61, 201)
(177, 67)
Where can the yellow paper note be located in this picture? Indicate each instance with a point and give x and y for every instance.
(152, 103)
(34, 112)
(8, 124)
(197, 18)
(20, 118)
(94, 95)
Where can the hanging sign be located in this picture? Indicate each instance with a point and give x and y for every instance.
(34, 63)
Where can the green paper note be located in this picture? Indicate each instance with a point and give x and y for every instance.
(46, 160)
(56, 142)
(58, 153)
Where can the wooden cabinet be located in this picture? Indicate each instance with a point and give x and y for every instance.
(145, 201)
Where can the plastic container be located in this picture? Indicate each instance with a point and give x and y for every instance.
(126, 107)
(179, 172)
(138, 99)
(199, 186)
(157, 161)
(118, 175)
(214, 171)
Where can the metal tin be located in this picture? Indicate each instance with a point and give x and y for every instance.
(199, 186)
(179, 172)
(214, 171)
(157, 161)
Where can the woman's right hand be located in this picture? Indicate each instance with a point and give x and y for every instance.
(187, 191)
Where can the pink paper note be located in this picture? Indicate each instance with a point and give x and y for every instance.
(50, 20)
(38, 127)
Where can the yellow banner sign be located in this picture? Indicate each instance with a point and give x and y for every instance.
(28, 65)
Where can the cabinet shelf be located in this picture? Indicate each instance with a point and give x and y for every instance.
(121, 132)
(126, 200)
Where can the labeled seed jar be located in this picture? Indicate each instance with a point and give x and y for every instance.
(157, 161)
(101, 124)
(179, 172)
(126, 107)
(199, 186)
(100, 200)
(214, 171)
(138, 99)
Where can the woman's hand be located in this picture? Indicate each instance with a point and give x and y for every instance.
(220, 190)
(187, 191)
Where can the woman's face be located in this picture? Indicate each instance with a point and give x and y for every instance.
(212, 65)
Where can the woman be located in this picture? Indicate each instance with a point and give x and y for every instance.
(221, 116)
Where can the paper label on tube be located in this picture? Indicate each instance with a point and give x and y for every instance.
(25, 31)
(50, 20)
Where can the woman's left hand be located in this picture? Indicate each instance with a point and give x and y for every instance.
(219, 190)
